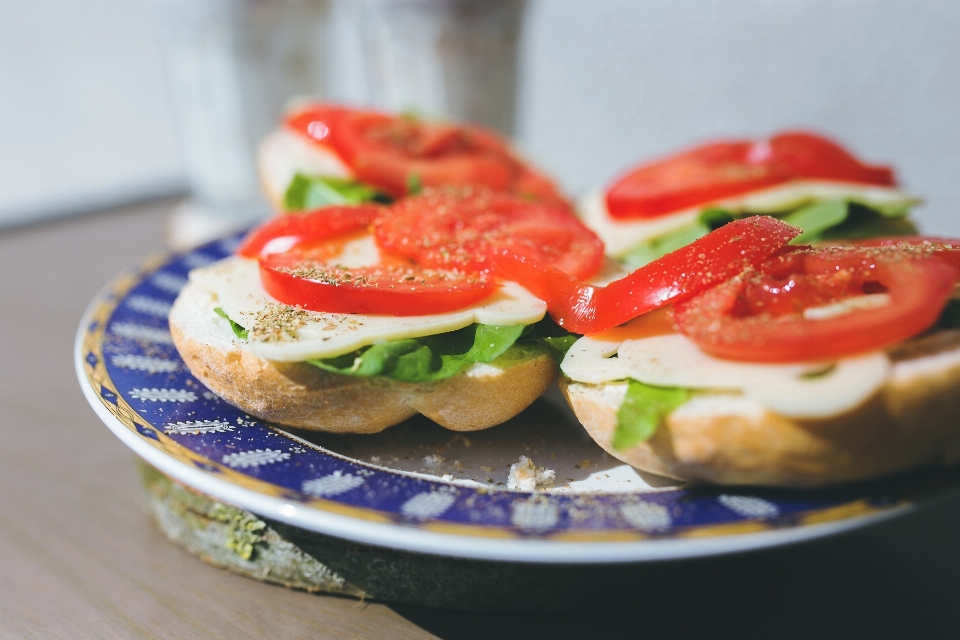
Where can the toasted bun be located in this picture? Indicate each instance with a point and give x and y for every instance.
(301, 395)
(727, 438)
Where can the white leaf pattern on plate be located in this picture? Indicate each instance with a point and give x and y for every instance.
(144, 363)
(332, 485)
(427, 505)
(198, 427)
(749, 507)
(255, 458)
(163, 395)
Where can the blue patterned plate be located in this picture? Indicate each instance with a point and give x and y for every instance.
(418, 487)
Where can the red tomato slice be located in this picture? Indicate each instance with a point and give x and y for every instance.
(462, 228)
(798, 154)
(293, 251)
(947, 249)
(764, 314)
(587, 309)
(725, 169)
(393, 288)
(293, 230)
(388, 151)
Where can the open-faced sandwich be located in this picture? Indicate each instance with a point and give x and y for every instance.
(812, 366)
(326, 154)
(326, 319)
(352, 319)
(809, 367)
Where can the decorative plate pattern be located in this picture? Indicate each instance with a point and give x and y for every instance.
(134, 378)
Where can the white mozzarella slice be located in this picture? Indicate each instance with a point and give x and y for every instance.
(236, 283)
(283, 154)
(849, 305)
(794, 390)
(589, 360)
(360, 252)
(620, 236)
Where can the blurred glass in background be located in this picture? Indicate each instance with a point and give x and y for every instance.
(452, 59)
(232, 66)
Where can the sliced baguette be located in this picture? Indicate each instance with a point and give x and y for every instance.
(301, 395)
(727, 438)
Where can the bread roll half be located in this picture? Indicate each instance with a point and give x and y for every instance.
(913, 420)
(301, 395)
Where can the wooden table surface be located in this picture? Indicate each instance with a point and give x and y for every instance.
(79, 559)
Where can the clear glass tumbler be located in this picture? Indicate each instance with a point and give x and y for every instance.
(232, 66)
(444, 58)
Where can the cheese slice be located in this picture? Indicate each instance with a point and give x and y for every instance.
(805, 390)
(620, 236)
(307, 335)
(283, 154)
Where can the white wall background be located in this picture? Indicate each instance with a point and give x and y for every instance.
(85, 114)
(86, 119)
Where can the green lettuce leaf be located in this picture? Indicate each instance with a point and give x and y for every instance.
(552, 336)
(709, 220)
(414, 186)
(237, 329)
(835, 219)
(816, 218)
(642, 411)
(429, 358)
(311, 192)
(714, 218)
(441, 356)
(950, 316)
(864, 222)
(660, 246)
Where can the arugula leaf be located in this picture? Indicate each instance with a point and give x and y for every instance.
(864, 222)
(642, 411)
(558, 345)
(896, 209)
(311, 192)
(950, 316)
(237, 329)
(709, 220)
(552, 336)
(816, 218)
(429, 358)
(714, 218)
(662, 245)
(414, 185)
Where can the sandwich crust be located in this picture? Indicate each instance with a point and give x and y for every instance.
(303, 396)
(727, 438)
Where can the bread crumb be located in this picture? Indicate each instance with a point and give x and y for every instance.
(446, 477)
(433, 461)
(526, 476)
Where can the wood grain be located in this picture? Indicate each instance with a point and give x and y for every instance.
(78, 559)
